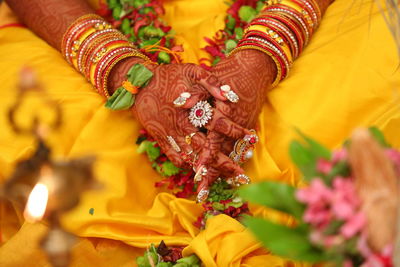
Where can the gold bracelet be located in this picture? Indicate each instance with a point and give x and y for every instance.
(108, 71)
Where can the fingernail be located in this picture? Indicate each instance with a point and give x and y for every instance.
(202, 195)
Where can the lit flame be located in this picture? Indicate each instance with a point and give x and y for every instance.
(37, 202)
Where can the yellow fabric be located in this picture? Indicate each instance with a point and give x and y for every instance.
(346, 78)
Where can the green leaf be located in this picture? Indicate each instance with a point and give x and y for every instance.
(191, 260)
(303, 158)
(260, 6)
(231, 23)
(147, 10)
(163, 57)
(140, 3)
(230, 45)
(238, 33)
(139, 75)
(169, 169)
(153, 152)
(316, 149)
(247, 13)
(216, 60)
(112, 3)
(126, 26)
(117, 11)
(378, 136)
(283, 241)
(120, 100)
(218, 206)
(143, 146)
(151, 31)
(340, 169)
(274, 195)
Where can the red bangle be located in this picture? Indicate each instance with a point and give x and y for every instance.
(292, 26)
(282, 31)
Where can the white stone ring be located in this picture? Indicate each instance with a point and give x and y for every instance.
(200, 114)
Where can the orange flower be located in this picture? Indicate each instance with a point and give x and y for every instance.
(130, 87)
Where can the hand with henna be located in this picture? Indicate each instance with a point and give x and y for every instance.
(250, 73)
(155, 110)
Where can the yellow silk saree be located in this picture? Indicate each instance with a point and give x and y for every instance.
(345, 78)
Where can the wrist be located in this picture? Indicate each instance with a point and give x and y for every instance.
(118, 73)
(261, 64)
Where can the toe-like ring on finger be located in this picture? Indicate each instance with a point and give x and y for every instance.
(181, 100)
(173, 143)
(229, 93)
(243, 149)
(202, 195)
(241, 179)
(200, 114)
(202, 171)
(188, 138)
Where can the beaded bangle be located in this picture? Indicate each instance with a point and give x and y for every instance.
(294, 16)
(294, 28)
(88, 42)
(93, 47)
(85, 21)
(269, 34)
(285, 32)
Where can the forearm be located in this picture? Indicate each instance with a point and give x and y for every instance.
(262, 59)
(49, 19)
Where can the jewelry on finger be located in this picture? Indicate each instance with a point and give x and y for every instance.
(181, 100)
(242, 179)
(186, 156)
(229, 93)
(188, 138)
(202, 195)
(238, 180)
(200, 114)
(244, 148)
(173, 143)
(202, 171)
(225, 88)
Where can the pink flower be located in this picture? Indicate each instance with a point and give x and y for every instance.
(339, 155)
(344, 201)
(347, 263)
(353, 225)
(324, 166)
(315, 193)
(318, 197)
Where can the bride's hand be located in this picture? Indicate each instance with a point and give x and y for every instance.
(155, 109)
(250, 74)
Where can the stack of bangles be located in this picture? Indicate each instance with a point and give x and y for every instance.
(93, 48)
(281, 31)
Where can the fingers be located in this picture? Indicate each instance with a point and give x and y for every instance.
(206, 179)
(222, 124)
(220, 161)
(210, 148)
(211, 83)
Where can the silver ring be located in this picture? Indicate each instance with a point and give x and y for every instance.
(200, 114)
(173, 143)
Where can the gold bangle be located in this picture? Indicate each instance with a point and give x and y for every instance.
(108, 71)
(278, 65)
(73, 25)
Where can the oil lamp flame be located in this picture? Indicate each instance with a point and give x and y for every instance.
(37, 202)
